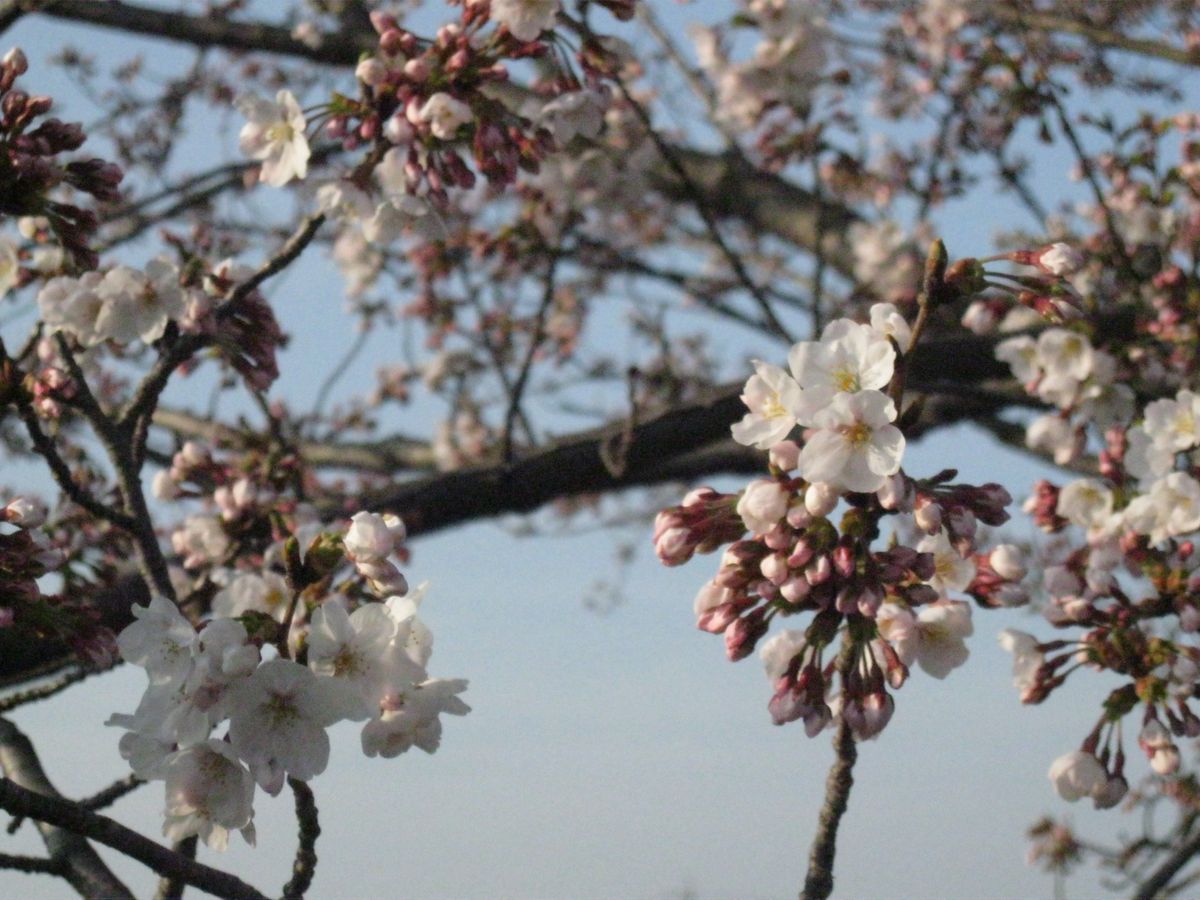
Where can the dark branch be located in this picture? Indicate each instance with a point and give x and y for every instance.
(73, 856)
(72, 818)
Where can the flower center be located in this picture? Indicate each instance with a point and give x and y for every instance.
(845, 379)
(280, 133)
(280, 710)
(773, 409)
(858, 434)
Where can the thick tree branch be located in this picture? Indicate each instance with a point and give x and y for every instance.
(199, 31)
(73, 819)
(651, 449)
(73, 856)
(1030, 20)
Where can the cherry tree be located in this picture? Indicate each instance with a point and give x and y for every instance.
(518, 192)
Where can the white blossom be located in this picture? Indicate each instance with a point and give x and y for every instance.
(776, 404)
(209, 793)
(412, 719)
(856, 446)
(525, 19)
(160, 640)
(253, 592)
(1086, 502)
(952, 572)
(274, 134)
(1078, 774)
(849, 357)
(445, 115)
(277, 722)
(934, 638)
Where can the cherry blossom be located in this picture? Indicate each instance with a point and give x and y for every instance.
(856, 446)
(209, 793)
(274, 135)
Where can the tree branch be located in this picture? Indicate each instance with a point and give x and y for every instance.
(200, 31)
(79, 823)
(73, 856)
(1158, 881)
(1028, 20)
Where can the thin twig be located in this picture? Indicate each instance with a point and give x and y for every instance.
(111, 794)
(535, 341)
(818, 882)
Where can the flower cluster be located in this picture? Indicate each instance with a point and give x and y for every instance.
(1124, 559)
(897, 605)
(121, 305)
(361, 660)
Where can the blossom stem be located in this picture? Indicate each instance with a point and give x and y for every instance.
(818, 882)
(305, 865)
(932, 288)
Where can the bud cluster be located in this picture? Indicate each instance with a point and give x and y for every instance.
(30, 169)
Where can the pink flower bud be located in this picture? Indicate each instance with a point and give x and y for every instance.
(742, 634)
(819, 570)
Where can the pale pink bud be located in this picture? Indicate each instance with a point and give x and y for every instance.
(1114, 792)
(778, 538)
(418, 70)
(774, 568)
(1008, 562)
(397, 130)
(164, 486)
(928, 515)
(785, 456)
(193, 453)
(819, 570)
(820, 498)
(1059, 259)
(980, 318)
(674, 546)
(798, 517)
(698, 496)
(15, 59)
(26, 512)
(795, 589)
(896, 493)
(1165, 761)
(371, 72)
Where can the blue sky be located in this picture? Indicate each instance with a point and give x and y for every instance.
(619, 755)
